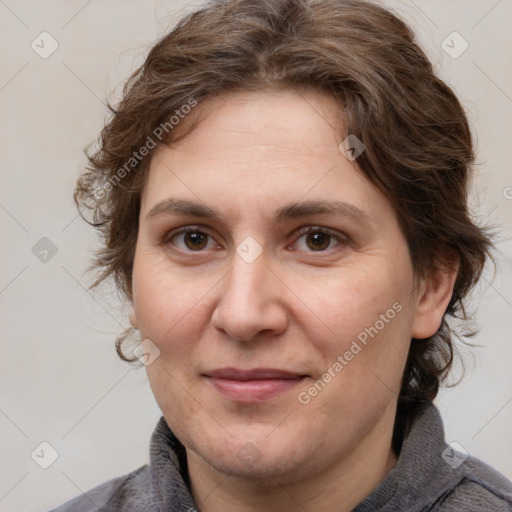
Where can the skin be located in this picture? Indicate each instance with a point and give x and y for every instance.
(294, 307)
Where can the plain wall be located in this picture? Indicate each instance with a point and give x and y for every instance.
(61, 380)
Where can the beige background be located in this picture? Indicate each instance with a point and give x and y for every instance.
(61, 381)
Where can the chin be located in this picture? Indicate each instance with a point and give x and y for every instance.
(268, 471)
(267, 465)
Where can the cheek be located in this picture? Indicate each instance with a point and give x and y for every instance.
(364, 318)
(170, 306)
(170, 313)
(347, 303)
(159, 297)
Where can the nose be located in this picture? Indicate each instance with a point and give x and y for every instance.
(250, 304)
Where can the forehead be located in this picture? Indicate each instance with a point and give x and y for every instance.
(273, 122)
(253, 152)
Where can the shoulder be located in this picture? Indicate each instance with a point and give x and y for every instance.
(131, 492)
(480, 487)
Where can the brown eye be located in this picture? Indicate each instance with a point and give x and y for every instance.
(189, 239)
(196, 240)
(318, 239)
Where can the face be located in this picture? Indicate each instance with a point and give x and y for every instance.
(282, 327)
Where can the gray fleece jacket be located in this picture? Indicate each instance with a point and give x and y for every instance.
(429, 476)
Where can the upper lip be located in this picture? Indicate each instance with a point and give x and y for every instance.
(252, 374)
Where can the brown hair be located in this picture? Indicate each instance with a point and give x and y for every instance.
(418, 143)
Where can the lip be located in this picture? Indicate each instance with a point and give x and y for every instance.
(253, 385)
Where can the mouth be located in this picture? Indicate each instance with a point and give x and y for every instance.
(254, 385)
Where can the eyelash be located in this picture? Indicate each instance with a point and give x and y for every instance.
(340, 238)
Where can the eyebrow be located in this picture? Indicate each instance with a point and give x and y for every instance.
(291, 211)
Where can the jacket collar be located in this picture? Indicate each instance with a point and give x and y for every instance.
(419, 472)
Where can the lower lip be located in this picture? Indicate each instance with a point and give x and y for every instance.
(251, 391)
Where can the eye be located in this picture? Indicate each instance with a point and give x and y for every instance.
(192, 237)
(319, 239)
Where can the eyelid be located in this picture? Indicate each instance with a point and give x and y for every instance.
(311, 229)
(185, 229)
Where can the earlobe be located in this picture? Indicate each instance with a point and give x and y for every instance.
(433, 299)
(133, 318)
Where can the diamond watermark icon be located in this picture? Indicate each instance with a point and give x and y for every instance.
(454, 455)
(352, 147)
(44, 45)
(249, 454)
(147, 352)
(44, 455)
(454, 45)
(44, 250)
(249, 249)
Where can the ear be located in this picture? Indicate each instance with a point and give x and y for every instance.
(133, 318)
(435, 292)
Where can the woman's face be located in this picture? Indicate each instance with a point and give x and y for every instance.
(283, 321)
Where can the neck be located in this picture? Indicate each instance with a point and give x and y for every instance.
(340, 487)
